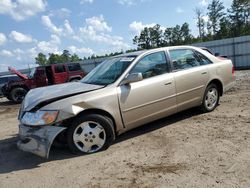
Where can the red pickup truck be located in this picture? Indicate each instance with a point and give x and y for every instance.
(41, 76)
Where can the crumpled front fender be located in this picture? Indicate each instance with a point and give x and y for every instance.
(38, 140)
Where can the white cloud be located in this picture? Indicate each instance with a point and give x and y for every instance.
(179, 10)
(49, 46)
(22, 9)
(60, 13)
(203, 3)
(96, 29)
(3, 39)
(98, 24)
(68, 27)
(92, 35)
(20, 37)
(126, 2)
(6, 53)
(130, 2)
(86, 1)
(205, 18)
(76, 50)
(137, 27)
(51, 26)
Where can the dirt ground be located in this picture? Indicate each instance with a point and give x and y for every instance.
(188, 149)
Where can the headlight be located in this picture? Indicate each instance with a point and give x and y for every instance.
(39, 118)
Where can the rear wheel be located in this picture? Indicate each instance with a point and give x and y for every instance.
(90, 134)
(17, 94)
(211, 98)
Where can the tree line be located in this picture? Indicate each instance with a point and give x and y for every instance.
(216, 23)
(213, 24)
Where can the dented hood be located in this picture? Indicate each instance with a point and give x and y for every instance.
(19, 74)
(46, 95)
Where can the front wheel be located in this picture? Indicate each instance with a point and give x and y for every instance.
(211, 98)
(90, 133)
(17, 94)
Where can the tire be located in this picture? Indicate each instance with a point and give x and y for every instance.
(17, 94)
(211, 98)
(90, 133)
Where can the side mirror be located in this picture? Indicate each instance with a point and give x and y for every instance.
(133, 77)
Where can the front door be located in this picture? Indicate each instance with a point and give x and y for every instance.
(153, 97)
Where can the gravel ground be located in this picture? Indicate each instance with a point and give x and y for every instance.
(188, 149)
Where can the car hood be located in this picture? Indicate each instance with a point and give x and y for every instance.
(19, 74)
(46, 95)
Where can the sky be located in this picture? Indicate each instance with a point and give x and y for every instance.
(84, 27)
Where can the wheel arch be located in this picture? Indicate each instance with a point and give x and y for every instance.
(99, 112)
(218, 83)
(19, 86)
(78, 77)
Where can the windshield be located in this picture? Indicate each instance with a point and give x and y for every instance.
(32, 72)
(108, 71)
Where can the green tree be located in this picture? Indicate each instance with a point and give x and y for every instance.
(168, 36)
(74, 58)
(155, 36)
(41, 59)
(65, 57)
(54, 58)
(239, 17)
(225, 29)
(215, 14)
(185, 33)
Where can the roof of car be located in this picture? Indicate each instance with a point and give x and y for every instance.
(136, 53)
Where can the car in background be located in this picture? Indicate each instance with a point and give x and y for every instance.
(5, 79)
(122, 93)
(39, 77)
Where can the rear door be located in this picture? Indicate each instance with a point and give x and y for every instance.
(153, 97)
(191, 77)
(60, 74)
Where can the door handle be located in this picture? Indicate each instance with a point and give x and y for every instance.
(168, 83)
(204, 73)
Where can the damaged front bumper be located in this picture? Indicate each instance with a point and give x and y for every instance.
(37, 140)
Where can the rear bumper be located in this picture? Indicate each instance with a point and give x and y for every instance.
(37, 140)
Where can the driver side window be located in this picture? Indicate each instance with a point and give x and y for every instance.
(152, 65)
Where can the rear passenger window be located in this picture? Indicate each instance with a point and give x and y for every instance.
(74, 67)
(152, 65)
(184, 59)
(59, 69)
(202, 59)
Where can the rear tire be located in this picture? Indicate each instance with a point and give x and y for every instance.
(17, 94)
(90, 133)
(211, 98)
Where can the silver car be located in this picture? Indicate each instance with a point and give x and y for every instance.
(120, 94)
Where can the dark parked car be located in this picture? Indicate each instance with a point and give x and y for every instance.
(5, 79)
(40, 77)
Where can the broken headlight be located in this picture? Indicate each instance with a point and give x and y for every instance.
(39, 118)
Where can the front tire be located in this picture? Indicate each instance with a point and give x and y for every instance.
(17, 94)
(90, 133)
(211, 98)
